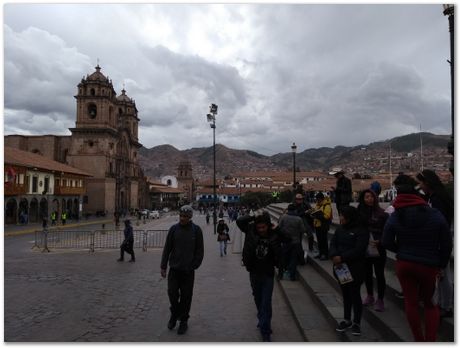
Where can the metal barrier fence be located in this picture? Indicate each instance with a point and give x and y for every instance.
(97, 239)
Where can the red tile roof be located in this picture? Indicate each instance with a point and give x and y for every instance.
(32, 160)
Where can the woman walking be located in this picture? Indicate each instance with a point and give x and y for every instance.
(420, 237)
(373, 218)
(347, 251)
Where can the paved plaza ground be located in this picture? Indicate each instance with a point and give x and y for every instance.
(68, 295)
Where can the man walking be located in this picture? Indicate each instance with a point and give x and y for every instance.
(343, 191)
(184, 249)
(261, 253)
(128, 243)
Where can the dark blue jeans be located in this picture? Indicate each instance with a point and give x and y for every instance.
(291, 257)
(262, 290)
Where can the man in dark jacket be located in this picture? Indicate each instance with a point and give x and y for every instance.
(261, 254)
(184, 249)
(128, 243)
(343, 191)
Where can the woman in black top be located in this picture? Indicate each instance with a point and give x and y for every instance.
(348, 246)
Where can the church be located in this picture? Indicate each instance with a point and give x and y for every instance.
(103, 143)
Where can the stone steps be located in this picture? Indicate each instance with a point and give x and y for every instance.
(321, 288)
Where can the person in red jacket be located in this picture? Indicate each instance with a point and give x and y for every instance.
(420, 237)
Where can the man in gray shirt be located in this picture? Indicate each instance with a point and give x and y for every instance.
(184, 249)
(292, 229)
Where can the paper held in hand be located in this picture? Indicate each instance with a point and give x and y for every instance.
(343, 273)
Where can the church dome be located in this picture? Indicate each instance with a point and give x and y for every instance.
(123, 97)
(97, 75)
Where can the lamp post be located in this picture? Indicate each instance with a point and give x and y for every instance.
(449, 11)
(212, 118)
(294, 149)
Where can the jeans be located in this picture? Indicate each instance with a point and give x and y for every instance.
(290, 258)
(377, 265)
(418, 281)
(262, 290)
(180, 292)
(223, 247)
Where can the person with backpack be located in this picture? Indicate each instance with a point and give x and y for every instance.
(222, 236)
(322, 218)
(292, 229)
(184, 250)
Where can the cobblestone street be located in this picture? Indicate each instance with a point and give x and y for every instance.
(66, 296)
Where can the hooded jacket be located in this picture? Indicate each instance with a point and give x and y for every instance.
(417, 232)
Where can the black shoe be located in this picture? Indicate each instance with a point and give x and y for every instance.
(266, 338)
(183, 326)
(172, 323)
(323, 258)
(120, 260)
(344, 325)
(317, 256)
(399, 294)
(356, 330)
(132, 260)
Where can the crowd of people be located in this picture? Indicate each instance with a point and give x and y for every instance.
(418, 229)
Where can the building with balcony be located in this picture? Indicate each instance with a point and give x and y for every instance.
(35, 186)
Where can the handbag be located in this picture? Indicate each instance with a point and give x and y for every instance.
(372, 250)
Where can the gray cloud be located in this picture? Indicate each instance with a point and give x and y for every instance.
(319, 75)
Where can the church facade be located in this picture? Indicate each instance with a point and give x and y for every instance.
(104, 143)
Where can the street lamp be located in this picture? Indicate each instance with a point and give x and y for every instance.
(449, 11)
(212, 118)
(294, 149)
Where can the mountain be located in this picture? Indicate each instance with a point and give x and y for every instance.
(164, 159)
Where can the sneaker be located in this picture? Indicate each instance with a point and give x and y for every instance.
(132, 260)
(323, 258)
(379, 306)
(369, 300)
(344, 325)
(266, 338)
(172, 323)
(356, 330)
(317, 256)
(120, 260)
(183, 326)
(399, 294)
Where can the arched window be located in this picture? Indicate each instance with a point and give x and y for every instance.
(92, 92)
(92, 110)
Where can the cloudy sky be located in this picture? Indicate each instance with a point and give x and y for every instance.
(319, 75)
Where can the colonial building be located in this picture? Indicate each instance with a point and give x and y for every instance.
(104, 143)
(35, 186)
(185, 180)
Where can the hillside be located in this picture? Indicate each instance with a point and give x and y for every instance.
(164, 159)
